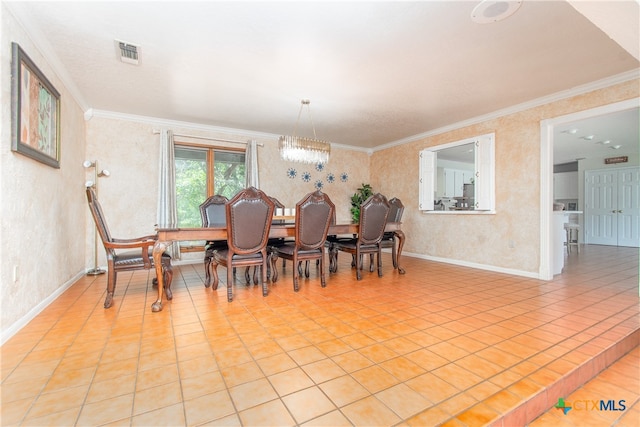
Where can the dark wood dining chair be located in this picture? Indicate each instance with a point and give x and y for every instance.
(249, 214)
(139, 256)
(373, 218)
(313, 217)
(389, 240)
(213, 214)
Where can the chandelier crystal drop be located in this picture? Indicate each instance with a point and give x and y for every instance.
(304, 150)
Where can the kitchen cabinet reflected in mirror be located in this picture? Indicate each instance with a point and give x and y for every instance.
(455, 177)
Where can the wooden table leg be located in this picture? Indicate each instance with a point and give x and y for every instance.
(400, 235)
(158, 249)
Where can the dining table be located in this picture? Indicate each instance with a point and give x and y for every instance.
(281, 228)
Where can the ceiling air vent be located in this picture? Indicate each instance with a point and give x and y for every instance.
(128, 53)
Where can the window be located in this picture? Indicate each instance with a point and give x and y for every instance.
(459, 176)
(202, 172)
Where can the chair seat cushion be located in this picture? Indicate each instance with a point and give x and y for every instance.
(351, 245)
(288, 249)
(130, 258)
(223, 253)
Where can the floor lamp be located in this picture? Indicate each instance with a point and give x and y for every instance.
(96, 270)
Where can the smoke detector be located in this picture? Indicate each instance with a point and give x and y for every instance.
(488, 11)
(128, 52)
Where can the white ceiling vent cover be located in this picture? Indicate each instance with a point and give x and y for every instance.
(128, 52)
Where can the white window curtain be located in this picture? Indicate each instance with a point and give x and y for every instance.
(167, 210)
(251, 162)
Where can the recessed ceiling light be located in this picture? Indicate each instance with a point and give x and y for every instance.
(615, 147)
(488, 11)
(588, 137)
(604, 142)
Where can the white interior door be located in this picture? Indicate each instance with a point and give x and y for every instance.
(612, 207)
(629, 207)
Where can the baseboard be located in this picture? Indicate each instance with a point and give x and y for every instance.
(31, 314)
(493, 268)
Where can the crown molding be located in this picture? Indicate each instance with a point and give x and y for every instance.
(167, 123)
(558, 96)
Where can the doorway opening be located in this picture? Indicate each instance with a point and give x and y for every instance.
(547, 130)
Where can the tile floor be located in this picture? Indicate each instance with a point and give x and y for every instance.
(441, 345)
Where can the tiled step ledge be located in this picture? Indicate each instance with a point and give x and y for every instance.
(545, 399)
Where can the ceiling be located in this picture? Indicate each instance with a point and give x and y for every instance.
(587, 139)
(376, 73)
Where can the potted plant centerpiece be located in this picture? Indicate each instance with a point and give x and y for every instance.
(362, 194)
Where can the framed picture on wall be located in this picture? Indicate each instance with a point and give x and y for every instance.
(572, 206)
(35, 111)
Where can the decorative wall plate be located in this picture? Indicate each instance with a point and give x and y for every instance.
(331, 178)
(320, 167)
(344, 177)
(291, 173)
(306, 176)
(319, 184)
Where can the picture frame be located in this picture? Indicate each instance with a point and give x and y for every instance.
(35, 111)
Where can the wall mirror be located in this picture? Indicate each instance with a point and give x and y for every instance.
(458, 176)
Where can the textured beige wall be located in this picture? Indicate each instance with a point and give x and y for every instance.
(42, 227)
(485, 239)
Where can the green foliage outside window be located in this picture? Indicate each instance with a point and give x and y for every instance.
(191, 191)
(191, 180)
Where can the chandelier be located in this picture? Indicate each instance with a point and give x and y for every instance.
(304, 150)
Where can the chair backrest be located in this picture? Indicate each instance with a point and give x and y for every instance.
(249, 216)
(314, 214)
(212, 211)
(277, 202)
(396, 209)
(98, 218)
(373, 218)
(279, 205)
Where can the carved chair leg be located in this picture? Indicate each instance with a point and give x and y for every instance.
(265, 284)
(167, 274)
(297, 272)
(207, 272)
(333, 258)
(230, 286)
(255, 274)
(111, 287)
(394, 255)
(214, 273)
(323, 279)
(273, 259)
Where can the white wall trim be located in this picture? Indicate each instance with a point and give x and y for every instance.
(91, 113)
(486, 267)
(24, 320)
(578, 90)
